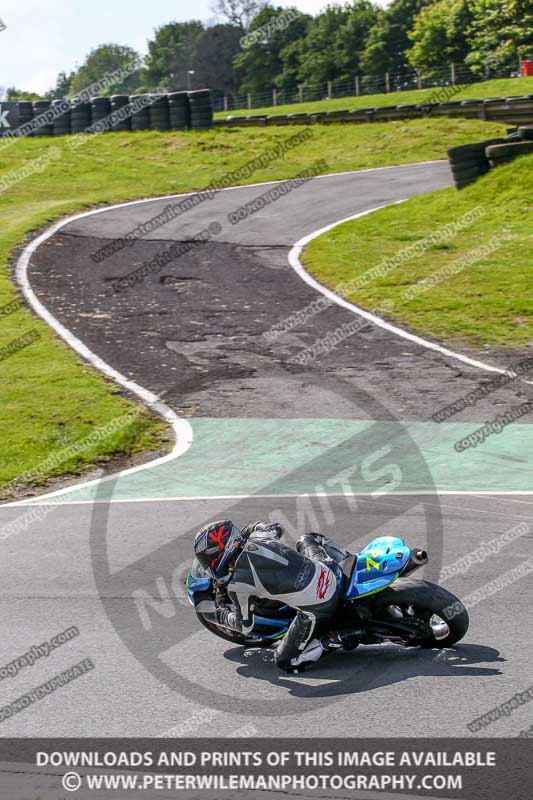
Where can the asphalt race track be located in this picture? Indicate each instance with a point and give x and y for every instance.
(344, 444)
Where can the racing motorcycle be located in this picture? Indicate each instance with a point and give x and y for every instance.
(381, 602)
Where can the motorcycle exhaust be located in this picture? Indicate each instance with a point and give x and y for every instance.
(417, 559)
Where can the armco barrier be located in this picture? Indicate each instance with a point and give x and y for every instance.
(510, 110)
(174, 111)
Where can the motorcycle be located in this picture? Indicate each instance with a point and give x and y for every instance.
(381, 602)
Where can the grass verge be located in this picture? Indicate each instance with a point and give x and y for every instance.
(504, 87)
(48, 398)
(445, 290)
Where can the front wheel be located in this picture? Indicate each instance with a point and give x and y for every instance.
(444, 616)
(234, 636)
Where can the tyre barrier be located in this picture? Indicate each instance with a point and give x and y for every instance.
(119, 101)
(140, 120)
(178, 111)
(80, 117)
(41, 109)
(25, 112)
(526, 132)
(201, 109)
(503, 153)
(159, 113)
(468, 162)
(61, 123)
(185, 110)
(516, 110)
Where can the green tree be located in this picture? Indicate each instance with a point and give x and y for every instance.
(321, 57)
(501, 31)
(62, 88)
(13, 94)
(214, 54)
(171, 53)
(238, 12)
(388, 40)
(261, 63)
(104, 60)
(439, 35)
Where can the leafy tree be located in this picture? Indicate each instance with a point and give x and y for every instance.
(500, 32)
(352, 36)
(388, 40)
(214, 54)
(239, 12)
(439, 35)
(171, 53)
(104, 60)
(320, 60)
(261, 63)
(62, 87)
(13, 94)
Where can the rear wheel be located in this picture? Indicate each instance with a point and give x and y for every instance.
(444, 617)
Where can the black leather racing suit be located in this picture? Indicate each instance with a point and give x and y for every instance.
(306, 579)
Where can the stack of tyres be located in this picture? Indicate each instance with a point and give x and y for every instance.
(25, 114)
(100, 111)
(41, 107)
(159, 113)
(80, 117)
(140, 119)
(499, 154)
(119, 121)
(201, 109)
(468, 161)
(526, 132)
(61, 123)
(178, 111)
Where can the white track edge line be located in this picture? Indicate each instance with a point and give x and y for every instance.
(35, 501)
(181, 429)
(296, 264)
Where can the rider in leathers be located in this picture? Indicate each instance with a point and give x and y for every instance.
(254, 563)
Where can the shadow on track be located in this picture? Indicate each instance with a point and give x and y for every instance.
(349, 673)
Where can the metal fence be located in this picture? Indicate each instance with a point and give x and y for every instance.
(359, 85)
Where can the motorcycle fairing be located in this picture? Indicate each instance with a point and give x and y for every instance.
(196, 585)
(377, 566)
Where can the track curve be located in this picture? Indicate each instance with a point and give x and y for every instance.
(195, 334)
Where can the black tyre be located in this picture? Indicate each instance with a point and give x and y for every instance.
(512, 150)
(442, 612)
(526, 132)
(25, 109)
(462, 184)
(100, 108)
(468, 163)
(159, 114)
(462, 174)
(140, 120)
(499, 162)
(471, 150)
(119, 101)
(41, 107)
